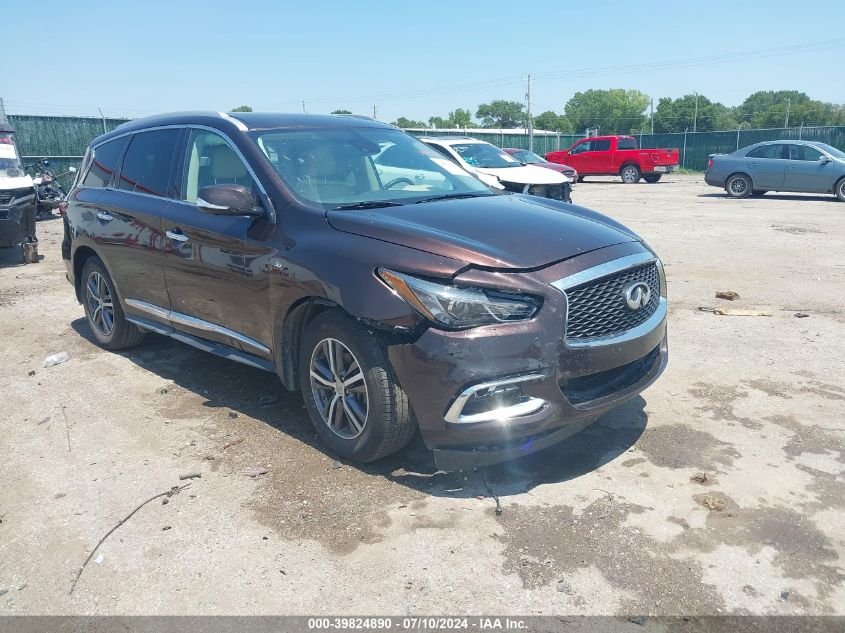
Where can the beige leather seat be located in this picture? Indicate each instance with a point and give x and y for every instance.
(228, 168)
(320, 180)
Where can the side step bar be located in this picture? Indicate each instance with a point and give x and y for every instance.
(207, 346)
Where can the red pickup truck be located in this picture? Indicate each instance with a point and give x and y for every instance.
(612, 155)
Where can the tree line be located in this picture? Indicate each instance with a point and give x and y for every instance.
(630, 111)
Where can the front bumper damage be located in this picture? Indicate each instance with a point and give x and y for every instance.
(540, 390)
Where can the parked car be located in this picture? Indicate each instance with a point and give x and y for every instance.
(530, 158)
(804, 166)
(495, 166)
(496, 324)
(17, 195)
(617, 155)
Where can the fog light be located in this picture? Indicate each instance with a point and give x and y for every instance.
(501, 400)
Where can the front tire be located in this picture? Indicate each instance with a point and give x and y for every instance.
(630, 174)
(738, 186)
(840, 190)
(103, 310)
(350, 390)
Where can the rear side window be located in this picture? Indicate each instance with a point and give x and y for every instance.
(766, 151)
(602, 145)
(626, 143)
(104, 163)
(146, 166)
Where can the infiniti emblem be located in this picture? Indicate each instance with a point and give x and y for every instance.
(637, 295)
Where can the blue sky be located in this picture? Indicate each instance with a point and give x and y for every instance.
(408, 59)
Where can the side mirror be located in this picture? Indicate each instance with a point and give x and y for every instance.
(824, 159)
(72, 170)
(227, 199)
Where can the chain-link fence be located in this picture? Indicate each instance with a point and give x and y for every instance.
(62, 140)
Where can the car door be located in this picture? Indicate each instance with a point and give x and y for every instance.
(766, 165)
(579, 156)
(807, 171)
(600, 158)
(217, 266)
(127, 215)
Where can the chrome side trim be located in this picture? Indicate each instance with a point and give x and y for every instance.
(200, 324)
(143, 306)
(629, 335)
(603, 270)
(532, 405)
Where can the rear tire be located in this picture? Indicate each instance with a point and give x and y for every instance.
(652, 178)
(738, 186)
(630, 174)
(580, 178)
(371, 417)
(840, 190)
(103, 310)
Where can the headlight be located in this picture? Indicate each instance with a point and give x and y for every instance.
(459, 306)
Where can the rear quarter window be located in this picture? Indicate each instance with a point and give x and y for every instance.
(104, 163)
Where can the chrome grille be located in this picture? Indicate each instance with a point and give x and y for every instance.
(598, 308)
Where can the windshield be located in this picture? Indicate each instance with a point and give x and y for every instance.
(529, 158)
(831, 150)
(360, 167)
(10, 162)
(485, 156)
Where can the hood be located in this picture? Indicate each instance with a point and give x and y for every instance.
(14, 182)
(525, 175)
(556, 167)
(503, 231)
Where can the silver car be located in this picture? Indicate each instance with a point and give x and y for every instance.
(804, 166)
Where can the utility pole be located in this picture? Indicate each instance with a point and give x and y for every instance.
(652, 119)
(102, 116)
(374, 112)
(530, 120)
(695, 116)
(303, 106)
(3, 118)
(786, 120)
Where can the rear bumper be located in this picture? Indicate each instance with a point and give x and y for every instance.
(557, 389)
(712, 180)
(664, 169)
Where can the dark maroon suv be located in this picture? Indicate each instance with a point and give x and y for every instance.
(392, 288)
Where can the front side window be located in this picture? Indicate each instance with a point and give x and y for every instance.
(104, 163)
(336, 167)
(210, 160)
(582, 147)
(484, 155)
(146, 166)
(803, 152)
(767, 151)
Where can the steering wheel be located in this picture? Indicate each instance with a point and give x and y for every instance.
(396, 181)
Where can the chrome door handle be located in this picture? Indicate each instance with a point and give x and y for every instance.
(105, 216)
(178, 237)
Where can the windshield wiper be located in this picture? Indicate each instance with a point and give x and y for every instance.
(367, 204)
(451, 196)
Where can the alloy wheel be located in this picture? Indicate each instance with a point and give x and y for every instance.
(339, 388)
(629, 174)
(100, 303)
(738, 186)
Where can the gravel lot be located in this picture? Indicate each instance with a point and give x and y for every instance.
(720, 490)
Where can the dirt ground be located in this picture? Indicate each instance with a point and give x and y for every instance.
(720, 490)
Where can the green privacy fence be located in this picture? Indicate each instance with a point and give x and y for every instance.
(695, 147)
(61, 140)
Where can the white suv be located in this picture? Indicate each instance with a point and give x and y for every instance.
(495, 167)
